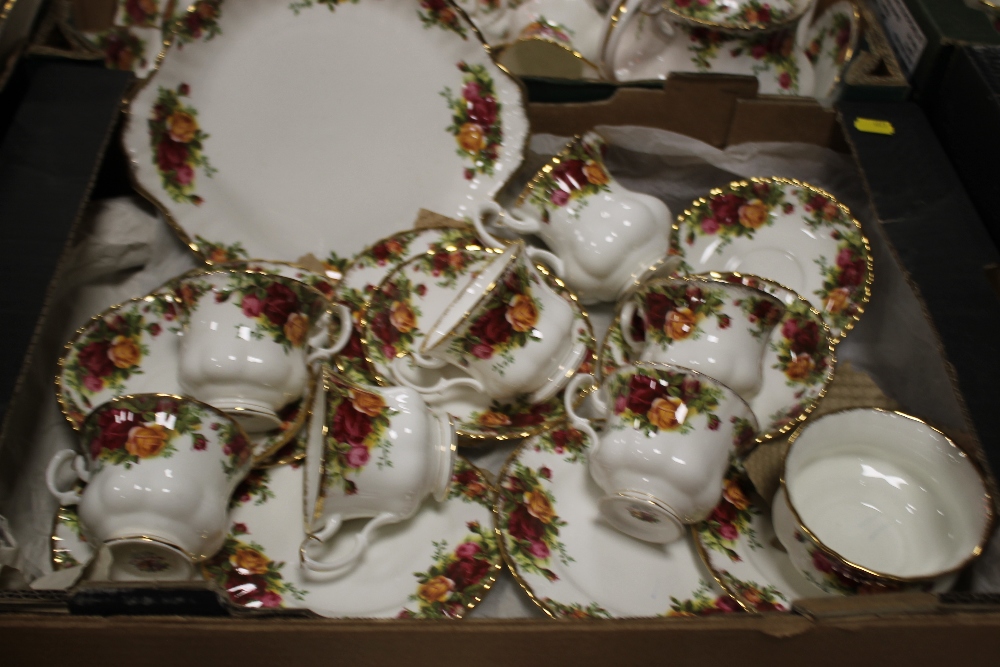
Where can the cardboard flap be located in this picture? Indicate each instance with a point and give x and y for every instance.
(701, 106)
(867, 605)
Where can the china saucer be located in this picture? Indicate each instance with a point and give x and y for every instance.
(830, 44)
(636, 48)
(798, 365)
(439, 564)
(133, 348)
(571, 562)
(414, 297)
(236, 143)
(361, 277)
(738, 544)
(785, 231)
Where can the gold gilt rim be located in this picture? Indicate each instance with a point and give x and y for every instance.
(719, 276)
(58, 561)
(677, 249)
(990, 505)
(985, 3)
(740, 27)
(474, 438)
(502, 48)
(129, 116)
(6, 10)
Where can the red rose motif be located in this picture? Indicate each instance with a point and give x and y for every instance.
(853, 274)
(471, 91)
(467, 572)
(570, 175)
(481, 351)
(785, 80)
(657, 306)
(94, 357)
(758, 51)
(539, 549)
(492, 328)
(726, 209)
(559, 197)
(710, 225)
(170, 155)
(270, 599)
(806, 338)
(184, 174)
(112, 432)
(154, 329)
(483, 111)
(245, 589)
(723, 513)
(821, 562)
(637, 328)
(815, 203)
(765, 311)
(466, 478)
(382, 326)
(534, 416)
(726, 605)
(433, 5)
(642, 391)
(728, 531)
(350, 425)
(523, 526)
(690, 389)
(279, 303)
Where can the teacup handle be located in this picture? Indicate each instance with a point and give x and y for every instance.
(625, 326)
(361, 541)
(79, 467)
(575, 420)
(492, 210)
(431, 364)
(324, 353)
(614, 28)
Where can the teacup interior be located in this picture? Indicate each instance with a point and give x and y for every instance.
(887, 493)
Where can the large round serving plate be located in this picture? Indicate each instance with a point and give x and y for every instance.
(322, 125)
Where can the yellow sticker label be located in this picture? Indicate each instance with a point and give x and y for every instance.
(874, 126)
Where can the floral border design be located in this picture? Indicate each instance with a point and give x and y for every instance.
(674, 311)
(201, 20)
(448, 258)
(736, 211)
(112, 347)
(574, 176)
(440, 13)
(140, 13)
(351, 361)
(763, 312)
(702, 603)
(576, 610)
(531, 523)
(63, 557)
(839, 31)
(475, 121)
(177, 142)
(508, 324)
(543, 28)
(518, 414)
(835, 577)
(565, 441)
(393, 318)
(457, 578)
(469, 484)
(800, 357)
(253, 487)
(732, 518)
(752, 12)
(770, 51)
(358, 423)
(249, 577)
(219, 253)
(768, 598)
(651, 402)
(122, 49)
(298, 5)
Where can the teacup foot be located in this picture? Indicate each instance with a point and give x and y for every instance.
(641, 516)
(253, 417)
(145, 559)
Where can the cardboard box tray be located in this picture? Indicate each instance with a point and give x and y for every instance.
(163, 625)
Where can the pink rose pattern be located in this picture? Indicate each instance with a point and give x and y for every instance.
(476, 120)
(771, 52)
(579, 174)
(353, 437)
(529, 523)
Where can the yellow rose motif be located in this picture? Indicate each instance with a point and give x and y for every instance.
(148, 7)
(680, 323)
(752, 595)
(837, 300)
(754, 214)
(182, 126)
(146, 441)
(539, 506)
(401, 317)
(437, 589)
(296, 327)
(663, 412)
(247, 560)
(456, 260)
(491, 419)
(800, 367)
(787, 46)
(368, 403)
(206, 10)
(734, 494)
(218, 256)
(393, 247)
(595, 173)
(124, 352)
(830, 210)
(522, 313)
(471, 138)
(752, 15)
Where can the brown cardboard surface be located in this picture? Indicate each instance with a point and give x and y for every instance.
(967, 639)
